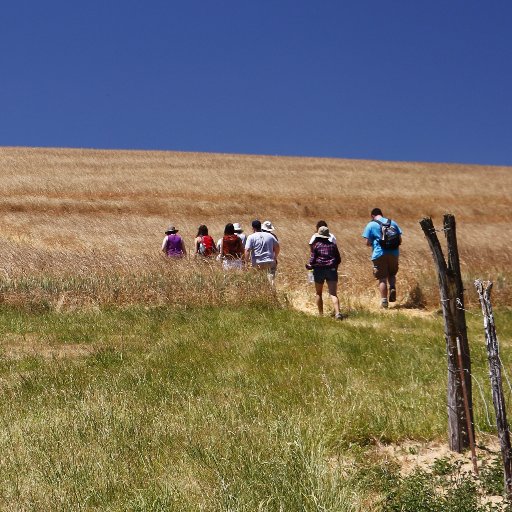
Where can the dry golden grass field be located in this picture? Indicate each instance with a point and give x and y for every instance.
(87, 225)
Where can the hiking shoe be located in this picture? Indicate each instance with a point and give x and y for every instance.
(392, 295)
(338, 316)
(384, 304)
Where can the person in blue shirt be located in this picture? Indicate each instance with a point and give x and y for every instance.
(385, 261)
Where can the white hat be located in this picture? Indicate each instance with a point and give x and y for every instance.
(323, 232)
(237, 227)
(267, 226)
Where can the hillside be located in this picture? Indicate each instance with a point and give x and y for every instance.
(218, 396)
(68, 209)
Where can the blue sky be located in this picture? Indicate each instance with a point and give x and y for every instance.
(372, 79)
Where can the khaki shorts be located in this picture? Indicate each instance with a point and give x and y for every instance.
(270, 267)
(385, 266)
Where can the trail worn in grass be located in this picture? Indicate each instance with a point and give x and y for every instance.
(215, 409)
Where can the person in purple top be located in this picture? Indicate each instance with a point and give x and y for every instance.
(173, 245)
(324, 261)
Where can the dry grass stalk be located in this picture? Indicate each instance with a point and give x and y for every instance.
(96, 218)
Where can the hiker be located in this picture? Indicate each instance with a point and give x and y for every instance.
(240, 232)
(173, 245)
(384, 236)
(204, 243)
(269, 228)
(231, 249)
(262, 249)
(319, 224)
(324, 261)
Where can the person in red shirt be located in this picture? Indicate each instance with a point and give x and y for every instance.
(231, 248)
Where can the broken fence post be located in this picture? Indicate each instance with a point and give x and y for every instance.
(493, 355)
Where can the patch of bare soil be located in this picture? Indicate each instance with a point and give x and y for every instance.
(411, 455)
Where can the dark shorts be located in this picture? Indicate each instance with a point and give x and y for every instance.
(321, 274)
(385, 266)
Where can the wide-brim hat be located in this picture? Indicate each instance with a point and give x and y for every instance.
(171, 229)
(323, 232)
(237, 227)
(267, 226)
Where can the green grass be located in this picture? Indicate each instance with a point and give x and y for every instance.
(216, 408)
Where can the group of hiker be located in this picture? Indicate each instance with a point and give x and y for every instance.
(234, 249)
(261, 250)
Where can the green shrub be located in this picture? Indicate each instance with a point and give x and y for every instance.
(491, 477)
(446, 488)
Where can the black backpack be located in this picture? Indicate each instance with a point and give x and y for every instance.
(390, 236)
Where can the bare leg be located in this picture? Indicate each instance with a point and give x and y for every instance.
(392, 288)
(333, 289)
(319, 301)
(383, 287)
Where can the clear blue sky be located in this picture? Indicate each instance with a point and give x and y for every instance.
(388, 80)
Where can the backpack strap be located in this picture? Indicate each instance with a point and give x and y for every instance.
(383, 224)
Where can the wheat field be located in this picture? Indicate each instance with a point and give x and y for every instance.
(87, 225)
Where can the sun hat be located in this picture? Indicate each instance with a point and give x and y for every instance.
(237, 227)
(323, 232)
(171, 229)
(267, 226)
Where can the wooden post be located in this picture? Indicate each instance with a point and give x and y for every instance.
(459, 312)
(452, 302)
(493, 354)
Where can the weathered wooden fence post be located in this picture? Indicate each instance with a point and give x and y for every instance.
(460, 426)
(493, 354)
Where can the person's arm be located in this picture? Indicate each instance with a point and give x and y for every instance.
(248, 249)
(311, 263)
(183, 247)
(399, 231)
(164, 245)
(277, 248)
(367, 235)
(337, 255)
